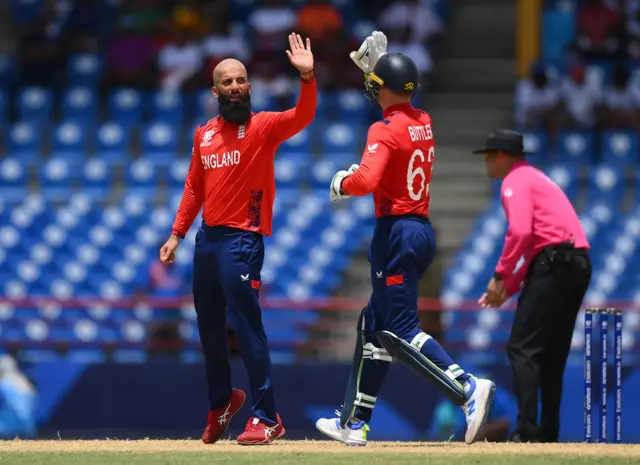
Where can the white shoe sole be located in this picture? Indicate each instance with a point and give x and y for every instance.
(338, 437)
(484, 414)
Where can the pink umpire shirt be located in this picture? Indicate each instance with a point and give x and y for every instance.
(539, 214)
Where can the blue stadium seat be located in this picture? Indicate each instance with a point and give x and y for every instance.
(619, 147)
(35, 104)
(206, 106)
(112, 142)
(350, 105)
(13, 179)
(142, 176)
(178, 172)
(124, 106)
(301, 142)
(69, 140)
(288, 173)
(575, 147)
(606, 182)
(24, 139)
(80, 104)
(262, 102)
(84, 70)
(339, 137)
(322, 171)
(167, 107)
(97, 178)
(538, 143)
(13, 172)
(56, 178)
(159, 138)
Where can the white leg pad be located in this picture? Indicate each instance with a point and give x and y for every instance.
(375, 353)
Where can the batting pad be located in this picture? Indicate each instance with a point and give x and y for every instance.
(363, 350)
(422, 366)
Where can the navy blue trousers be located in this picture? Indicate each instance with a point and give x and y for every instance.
(226, 281)
(401, 250)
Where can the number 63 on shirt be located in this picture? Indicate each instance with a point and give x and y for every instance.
(397, 163)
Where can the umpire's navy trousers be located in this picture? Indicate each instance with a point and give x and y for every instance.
(226, 281)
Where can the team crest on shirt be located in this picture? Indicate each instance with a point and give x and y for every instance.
(206, 138)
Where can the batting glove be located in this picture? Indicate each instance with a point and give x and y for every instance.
(335, 190)
(372, 48)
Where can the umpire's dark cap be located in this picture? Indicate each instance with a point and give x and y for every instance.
(504, 140)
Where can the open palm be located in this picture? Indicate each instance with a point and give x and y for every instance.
(299, 56)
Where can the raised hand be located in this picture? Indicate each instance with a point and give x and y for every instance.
(299, 56)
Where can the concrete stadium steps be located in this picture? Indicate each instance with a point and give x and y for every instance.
(474, 74)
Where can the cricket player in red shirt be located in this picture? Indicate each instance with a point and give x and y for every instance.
(396, 168)
(232, 175)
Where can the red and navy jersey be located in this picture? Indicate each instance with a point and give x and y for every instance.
(397, 163)
(231, 169)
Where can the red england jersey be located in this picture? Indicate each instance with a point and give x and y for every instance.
(397, 163)
(231, 169)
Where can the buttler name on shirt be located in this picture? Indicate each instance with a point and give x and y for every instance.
(221, 160)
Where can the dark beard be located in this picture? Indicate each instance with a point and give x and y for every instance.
(235, 112)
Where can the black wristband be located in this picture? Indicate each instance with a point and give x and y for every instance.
(497, 277)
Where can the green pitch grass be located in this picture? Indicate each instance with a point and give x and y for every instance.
(150, 452)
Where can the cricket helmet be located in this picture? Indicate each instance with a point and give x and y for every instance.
(395, 71)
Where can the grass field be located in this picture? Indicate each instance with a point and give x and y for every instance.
(152, 452)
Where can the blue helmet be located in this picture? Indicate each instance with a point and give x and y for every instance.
(395, 71)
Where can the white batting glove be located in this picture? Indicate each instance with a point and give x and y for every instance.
(335, 189)
(372, 48)
(352, 169)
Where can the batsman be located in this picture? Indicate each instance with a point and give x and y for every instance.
(396, 167)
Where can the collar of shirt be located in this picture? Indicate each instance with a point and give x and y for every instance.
(396, 107)
(518, 164)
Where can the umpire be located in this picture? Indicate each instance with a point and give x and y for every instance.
(553, 276)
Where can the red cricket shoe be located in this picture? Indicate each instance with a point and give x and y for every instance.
(218, 420)
(257, 432)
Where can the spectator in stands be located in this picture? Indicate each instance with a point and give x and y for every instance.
(403, 41)
(40, 53)
(130, 57)
(271, 80)
(599, 29)
(180, 63)
(270, 24)
(581, 99)
(221, 43)
(422, 20)
(621, 101)
(536, 101)
(320, 20)
(334, 71)
(188, 15)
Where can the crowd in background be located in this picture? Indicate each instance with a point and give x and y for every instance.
(596, 87)
(148, 44)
